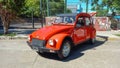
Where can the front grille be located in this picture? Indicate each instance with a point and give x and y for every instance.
(38, 43)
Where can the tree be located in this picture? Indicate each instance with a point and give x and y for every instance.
(44, 8)
(56, 7)
(99, 8)
(102, 7)
(8, 12)
(108, 5)
(31, 6)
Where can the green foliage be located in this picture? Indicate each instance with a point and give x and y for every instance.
(26, 7)
(68, 11)
(117, 35)
(9, 34)
(15, 6)
(54, 7)
(31, 6)
(9, 9)
(102, 12)
(106, 6)
(1, 0)
(103, 6)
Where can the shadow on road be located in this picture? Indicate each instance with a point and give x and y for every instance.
(77, 51)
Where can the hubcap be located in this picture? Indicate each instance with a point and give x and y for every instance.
(93, 40)
(66, 49)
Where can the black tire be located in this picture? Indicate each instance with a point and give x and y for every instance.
(92, 40)
(62, 53)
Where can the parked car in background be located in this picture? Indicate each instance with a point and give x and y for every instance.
(66, 32)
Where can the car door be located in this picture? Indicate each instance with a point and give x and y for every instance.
(88, 27)
(79, 31)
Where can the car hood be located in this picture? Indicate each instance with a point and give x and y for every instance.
(47, 32)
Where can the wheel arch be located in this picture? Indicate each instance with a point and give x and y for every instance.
(69, 39)
(60, 38)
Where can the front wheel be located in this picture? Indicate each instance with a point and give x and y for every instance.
(65, 50)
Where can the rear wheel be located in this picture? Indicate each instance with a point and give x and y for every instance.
(65, 50)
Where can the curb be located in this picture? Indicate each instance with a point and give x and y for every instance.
(20, 36)
(111, 38)
(108, 37)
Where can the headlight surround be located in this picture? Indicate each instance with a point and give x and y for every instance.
(52, 42)
(29, 37)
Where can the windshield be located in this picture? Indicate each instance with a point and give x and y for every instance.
(65, 19)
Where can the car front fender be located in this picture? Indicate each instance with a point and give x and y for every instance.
(58, 39)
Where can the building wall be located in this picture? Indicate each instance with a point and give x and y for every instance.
(100, 23)
(49, 20)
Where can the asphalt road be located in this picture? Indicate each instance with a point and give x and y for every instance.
(105, 53)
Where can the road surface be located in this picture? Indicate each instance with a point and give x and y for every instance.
(105, 53)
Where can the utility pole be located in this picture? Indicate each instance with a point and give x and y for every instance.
(65, 5)
(33, 19)
(87, 6)
(41, 6)
(41, 13)
(47, 7)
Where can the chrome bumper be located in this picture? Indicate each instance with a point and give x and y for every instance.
(40, 48)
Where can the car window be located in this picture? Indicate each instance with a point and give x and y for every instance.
(65, 19)
(87, 20)
(80, 22)
(69, 19)
(58, 20)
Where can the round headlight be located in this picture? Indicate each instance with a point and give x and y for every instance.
(52, 42)
(29, 37)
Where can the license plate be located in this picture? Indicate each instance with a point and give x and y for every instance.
(37, 43)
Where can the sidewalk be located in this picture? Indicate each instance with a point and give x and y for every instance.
(22, 30)
(20, 33)
(109, 34)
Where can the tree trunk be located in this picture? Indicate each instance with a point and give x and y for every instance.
(5, 25)
(5, 30)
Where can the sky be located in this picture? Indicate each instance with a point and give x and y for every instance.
(83, 5)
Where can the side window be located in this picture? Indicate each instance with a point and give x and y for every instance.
(80, 22)
(69, 19)
(87, 20)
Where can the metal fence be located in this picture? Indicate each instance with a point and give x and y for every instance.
(26, 23)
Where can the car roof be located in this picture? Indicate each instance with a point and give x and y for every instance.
(70, 14)
(74, 14)
(83, 15)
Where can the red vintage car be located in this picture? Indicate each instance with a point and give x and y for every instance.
(66, 31)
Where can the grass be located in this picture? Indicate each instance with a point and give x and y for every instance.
(117, 35)
(9, 34)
